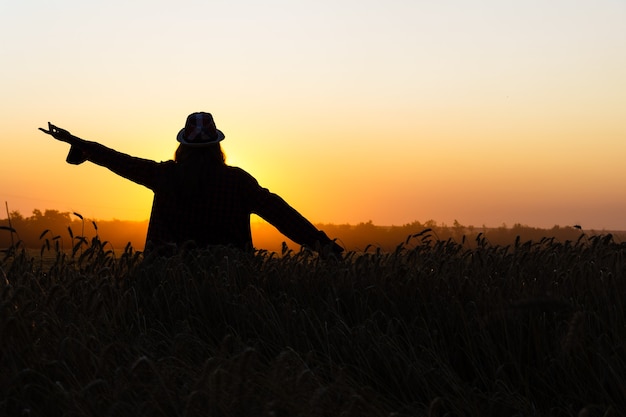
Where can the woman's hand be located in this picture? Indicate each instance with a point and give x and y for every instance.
(60, 134)
(77, 154)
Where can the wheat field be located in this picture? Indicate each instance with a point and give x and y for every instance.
(434, 328)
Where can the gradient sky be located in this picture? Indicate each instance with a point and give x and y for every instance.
(487, 112)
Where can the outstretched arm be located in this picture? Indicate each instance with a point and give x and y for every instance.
(290, 222)
(141, 171)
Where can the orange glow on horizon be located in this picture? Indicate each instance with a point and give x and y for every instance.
(486, 114)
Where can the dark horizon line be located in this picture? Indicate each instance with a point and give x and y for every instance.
(428, 223)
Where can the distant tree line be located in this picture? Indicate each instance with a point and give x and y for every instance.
(388, 238)
(64, 227)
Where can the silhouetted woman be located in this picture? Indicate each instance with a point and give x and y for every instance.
(197, 197)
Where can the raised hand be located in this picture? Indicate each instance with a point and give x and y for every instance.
(58, 133)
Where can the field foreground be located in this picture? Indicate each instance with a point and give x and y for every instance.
(433, 328)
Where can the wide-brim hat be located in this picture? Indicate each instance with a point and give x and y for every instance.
(199, 131)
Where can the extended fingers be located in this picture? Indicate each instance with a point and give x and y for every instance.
(57, 132)
(49, 131)
(52, 129)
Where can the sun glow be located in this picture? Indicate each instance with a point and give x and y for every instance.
(487, 114)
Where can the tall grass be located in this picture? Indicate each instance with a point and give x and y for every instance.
(433, 328)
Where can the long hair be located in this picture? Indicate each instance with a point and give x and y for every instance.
(205, 156)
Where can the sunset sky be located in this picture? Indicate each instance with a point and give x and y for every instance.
(485, 112)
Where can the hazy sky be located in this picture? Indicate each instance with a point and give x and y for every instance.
(486, 112)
